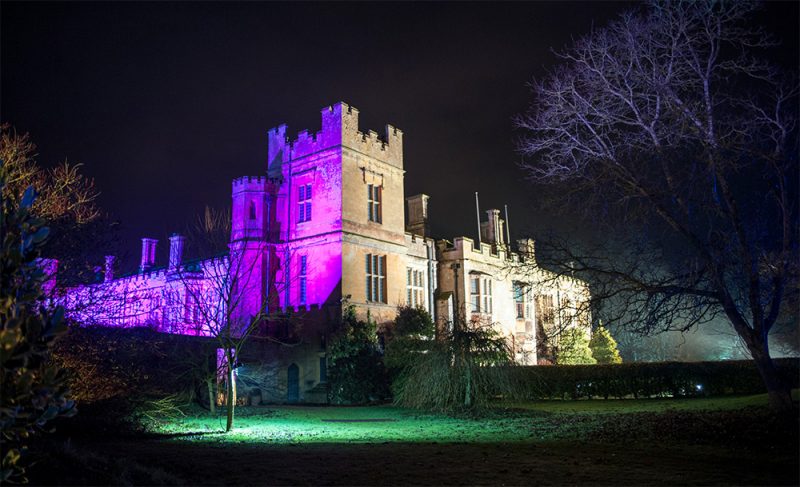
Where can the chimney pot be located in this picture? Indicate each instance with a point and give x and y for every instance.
(148, 254)
(175, 251)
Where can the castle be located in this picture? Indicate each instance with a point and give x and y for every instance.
(326, 223)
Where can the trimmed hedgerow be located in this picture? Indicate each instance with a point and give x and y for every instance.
(658, 379)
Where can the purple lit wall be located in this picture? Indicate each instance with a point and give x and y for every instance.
(285, 250)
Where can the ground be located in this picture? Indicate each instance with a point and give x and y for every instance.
(732, 440)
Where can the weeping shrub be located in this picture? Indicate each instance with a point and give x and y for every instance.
(462, 370)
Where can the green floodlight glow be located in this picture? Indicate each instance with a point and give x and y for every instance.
(544, 420)
(286, 425)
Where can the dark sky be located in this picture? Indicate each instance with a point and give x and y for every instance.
(165, 103)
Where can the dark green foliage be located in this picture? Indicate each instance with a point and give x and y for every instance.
(604, 347)
(412, 321)
(573, 348)
(461, 370)
(356, 374)
(411, 335)
(32, 391)
(641, 380)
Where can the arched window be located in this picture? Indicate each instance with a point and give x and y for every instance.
(252, 211)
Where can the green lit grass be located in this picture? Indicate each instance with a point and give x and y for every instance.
(597, 406)
(717, 441)
(536, 421)
(282, 425)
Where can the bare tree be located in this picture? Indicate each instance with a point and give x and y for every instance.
(221, 297)
(68, 200)
(672, 130)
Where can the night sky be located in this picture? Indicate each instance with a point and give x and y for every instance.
(164, 104)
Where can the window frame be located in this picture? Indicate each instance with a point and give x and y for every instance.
(481, 296)
(304, 194)
(302, 277)
(375, 273)
(375, 203)
(415, 288)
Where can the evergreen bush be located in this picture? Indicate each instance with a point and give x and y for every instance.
(604, 347)
(356, 373)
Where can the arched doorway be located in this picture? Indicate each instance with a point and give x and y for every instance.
(293, 384)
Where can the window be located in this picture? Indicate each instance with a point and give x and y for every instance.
(487, 296)
(376, 278)
(302, 275)
(415, 288)
(519, 300)
(480, 294)
(252, 211)
(374, 203)
(545, 310)
(304, 203)
(475, 294)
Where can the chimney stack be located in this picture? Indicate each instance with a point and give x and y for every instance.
(108, 274)
(492, 229)
(175, 251)
(527, 249)
(418, 215)
(148, 254)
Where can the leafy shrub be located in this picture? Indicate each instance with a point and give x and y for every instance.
(356, 374)
(411, 335)
(32, 391)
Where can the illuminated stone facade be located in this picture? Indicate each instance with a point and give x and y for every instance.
(324, 224)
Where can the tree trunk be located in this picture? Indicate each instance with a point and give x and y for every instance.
(212, 399)
(231, 400)
(780, 397)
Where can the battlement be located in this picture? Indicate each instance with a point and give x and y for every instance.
(339, 128)
(464, 247)
(251, 183)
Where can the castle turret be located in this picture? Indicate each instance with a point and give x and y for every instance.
(248, 255)
(249, 208)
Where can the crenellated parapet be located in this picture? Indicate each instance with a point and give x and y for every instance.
(464, 248)
(250, 184)
(339, 128)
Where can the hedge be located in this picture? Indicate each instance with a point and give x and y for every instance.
(642, 380)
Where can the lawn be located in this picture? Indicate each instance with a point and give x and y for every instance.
(732, 440)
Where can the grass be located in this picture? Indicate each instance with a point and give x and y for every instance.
(375, 424)
(513, 422)
(731, 440)
(599, 406)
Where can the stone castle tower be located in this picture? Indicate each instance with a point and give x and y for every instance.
(328, 220)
